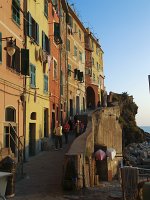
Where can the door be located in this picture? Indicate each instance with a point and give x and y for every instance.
(77, 104)
(10, 138)
(45, 122)
(71, 107)
(32, 139)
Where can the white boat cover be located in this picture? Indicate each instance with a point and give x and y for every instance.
(111, 153)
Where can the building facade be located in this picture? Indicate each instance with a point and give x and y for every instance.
(76, 64)
(11, 79)
(94, 71)
(37, 77)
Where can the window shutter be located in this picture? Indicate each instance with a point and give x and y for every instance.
(75, 74)
(37, 33)
(43, 41)
(25, 61)
(81, 77)
(8, 60)
(17, 60)
(30, 24)
(78, 75)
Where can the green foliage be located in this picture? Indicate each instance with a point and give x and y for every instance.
(131, 132)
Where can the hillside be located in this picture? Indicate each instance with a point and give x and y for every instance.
(131, 132)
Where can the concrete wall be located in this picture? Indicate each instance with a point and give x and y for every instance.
(107, 132)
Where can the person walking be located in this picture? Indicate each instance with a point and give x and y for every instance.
(77, 128)
(58, 136)
(66, 129)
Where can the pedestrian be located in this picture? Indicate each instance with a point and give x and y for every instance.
(66, 129)
(70, 122)
(82, 127)
(77, 128)
(58, 136)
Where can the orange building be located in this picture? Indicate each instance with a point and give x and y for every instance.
(55, 70)
(11, 79)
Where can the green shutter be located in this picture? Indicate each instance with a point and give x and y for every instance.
(30, 24)
(37, 33)
(0, 47)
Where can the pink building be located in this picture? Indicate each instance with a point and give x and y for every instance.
(11, 79)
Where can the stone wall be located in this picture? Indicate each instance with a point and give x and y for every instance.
(103, 129)
(107, 132)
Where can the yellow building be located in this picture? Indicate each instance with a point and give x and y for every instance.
(94, 70)
(76, 64)
(36, 90)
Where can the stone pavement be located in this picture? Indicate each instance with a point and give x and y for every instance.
(43, 176)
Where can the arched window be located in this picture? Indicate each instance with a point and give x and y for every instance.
(33, 116)
(10, 114)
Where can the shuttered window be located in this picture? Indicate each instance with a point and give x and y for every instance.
(45, 43)
(33, 28)
(45, 83)
(33, 76)
(46, 8)
(16, 11)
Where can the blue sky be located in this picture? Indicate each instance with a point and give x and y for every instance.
(123, 29)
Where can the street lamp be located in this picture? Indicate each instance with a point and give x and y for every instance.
(11, 45)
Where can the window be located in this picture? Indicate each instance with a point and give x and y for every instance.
(69, 70)
(75, 28)
(80, 56)
(10, 114)
(61, 83)
(70, 21)
(97, 66)
(0, 47)
(57, 37)
(97, 51)
(68, 45)
(75, 51)
(32, 75)
(79, 34)
(46, 8)
(55, 69)
(92, 61)
(45, 83)
(45, 43)
(33, 28)
(93, 77)
(16, 11)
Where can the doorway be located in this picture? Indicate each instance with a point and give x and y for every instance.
(71, 107)
(45, 122)
(32, 139)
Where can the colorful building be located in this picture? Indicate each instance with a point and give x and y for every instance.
(94, 71)
(37, 77)
(11, 79)
(76, 64)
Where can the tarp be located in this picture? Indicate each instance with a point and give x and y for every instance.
(111, 153)
(100, 155)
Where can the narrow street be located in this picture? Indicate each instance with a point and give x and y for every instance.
(42, 180)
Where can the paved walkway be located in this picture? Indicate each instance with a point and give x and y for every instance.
(43, 175)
